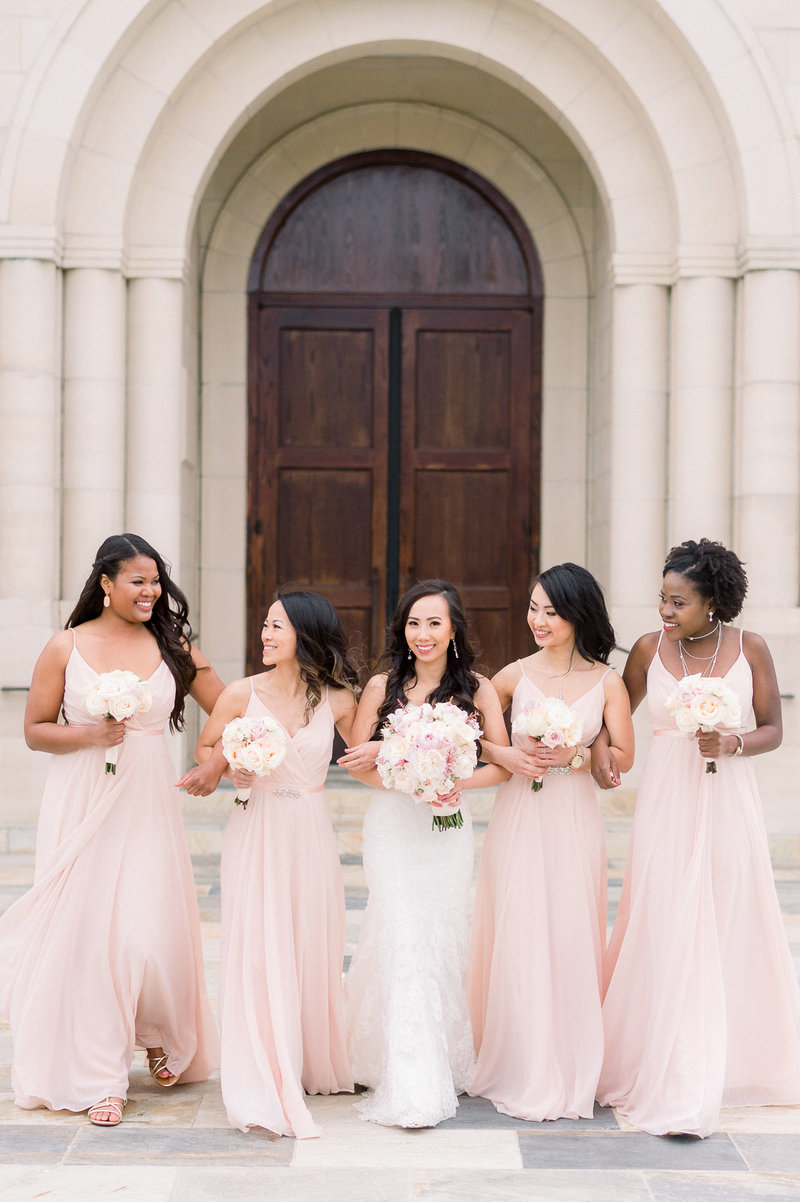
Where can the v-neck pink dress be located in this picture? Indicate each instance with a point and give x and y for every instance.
(103, 954)
(702, 1007)
(538, 937)
(283, 932)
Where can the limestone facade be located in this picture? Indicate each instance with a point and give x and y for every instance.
(652, 148)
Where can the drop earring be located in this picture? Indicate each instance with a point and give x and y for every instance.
(410, 656)
(455, 649)
(106, 600)
(711, 615)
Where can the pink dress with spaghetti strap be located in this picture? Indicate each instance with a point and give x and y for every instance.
(103, 955)
(702, 1007)
(283, 931)
(538, 938)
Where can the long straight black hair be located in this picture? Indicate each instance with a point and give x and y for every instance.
(169, 619)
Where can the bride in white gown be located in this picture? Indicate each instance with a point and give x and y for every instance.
(409, 1033)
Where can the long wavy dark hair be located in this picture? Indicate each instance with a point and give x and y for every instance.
(459, 683)
(321, 645)
(716, 572)
(169, 619)
(576, 597)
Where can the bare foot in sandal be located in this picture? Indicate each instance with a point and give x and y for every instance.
(157, 1063)
(107, 1113)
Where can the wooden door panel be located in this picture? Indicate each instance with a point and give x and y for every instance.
(317, 453)
(469, 466)
(462, 389)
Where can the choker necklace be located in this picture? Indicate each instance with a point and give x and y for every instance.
(695, 638)
(709, 659)
(563, 675)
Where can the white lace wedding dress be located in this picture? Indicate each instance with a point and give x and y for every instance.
(409, 1033)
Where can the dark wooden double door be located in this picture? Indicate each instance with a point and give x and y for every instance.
(393, 437)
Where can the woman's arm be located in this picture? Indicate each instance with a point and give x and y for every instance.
(617, 723)
(232, 703)
(43, 731)
(494, 729)
(605, 769)
(343, 706)
(206, 686)
(361, 743)
(768, 733)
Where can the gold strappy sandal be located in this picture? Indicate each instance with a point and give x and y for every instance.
(107, 1106)
(156, 1065)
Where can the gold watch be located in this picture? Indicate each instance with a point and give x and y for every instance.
(579, 758)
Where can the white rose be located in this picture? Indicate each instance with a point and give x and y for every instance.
(122, 707)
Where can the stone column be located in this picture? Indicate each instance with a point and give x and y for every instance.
(94, 418)
(155, 414)
(30, 443)
(637, 452)
(768, 436)
(701, 398)
(29, 428)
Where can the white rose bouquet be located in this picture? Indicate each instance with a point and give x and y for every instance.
(704, 703)
(255, 745)
(425, 750)
(552, 722)
(118, 695)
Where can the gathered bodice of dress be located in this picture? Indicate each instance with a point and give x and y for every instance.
(661, 684)
(79, 676)
(589, 705)
(308, 752)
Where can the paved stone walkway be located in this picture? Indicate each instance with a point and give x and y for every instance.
(176, 1145)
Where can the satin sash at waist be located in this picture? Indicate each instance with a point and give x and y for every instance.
(284, 791)
(142, 733)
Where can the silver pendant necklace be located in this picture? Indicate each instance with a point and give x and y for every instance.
(563, 675)
(705, 659)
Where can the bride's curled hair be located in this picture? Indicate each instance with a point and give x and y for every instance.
(459, 683)
(321, 645)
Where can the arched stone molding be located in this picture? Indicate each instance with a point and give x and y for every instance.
(565, 259)
(618, 79)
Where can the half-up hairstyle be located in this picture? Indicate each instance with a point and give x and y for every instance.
(169, 619)
(576, 597)
(321, 645)
(459, 683)
(717, 573)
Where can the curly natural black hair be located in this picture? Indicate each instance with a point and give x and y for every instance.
(459, 683)
(716, 572)
(576, 597)
(169, 621)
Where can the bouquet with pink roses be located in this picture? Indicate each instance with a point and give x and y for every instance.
(425, 750)
(552, 722)
(255, 745)
(704, 703)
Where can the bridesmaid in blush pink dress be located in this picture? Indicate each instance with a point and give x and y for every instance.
(103, 955)
(538, 934)
(283, 919)
(702, 1007)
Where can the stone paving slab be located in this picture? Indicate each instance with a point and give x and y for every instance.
(177, 1146)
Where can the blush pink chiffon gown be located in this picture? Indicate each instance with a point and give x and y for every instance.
(702, 1008)
(283, 933)
(103, 955)
(538, 938)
